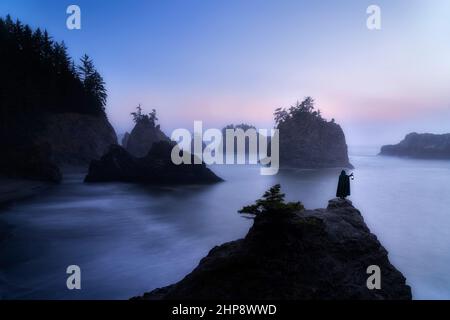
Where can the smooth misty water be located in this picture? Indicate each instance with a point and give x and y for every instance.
(129, 239)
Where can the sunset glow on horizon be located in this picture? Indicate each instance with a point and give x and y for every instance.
(237, 61)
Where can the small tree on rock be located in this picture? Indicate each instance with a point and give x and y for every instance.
(138, 116)
(272, 202)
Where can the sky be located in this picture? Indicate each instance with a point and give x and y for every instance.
(238, 60)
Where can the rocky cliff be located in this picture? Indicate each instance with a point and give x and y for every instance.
(424, 146)
(54, 141)
(155, 168)
(76, 139)
(309, 141)
(310, 254)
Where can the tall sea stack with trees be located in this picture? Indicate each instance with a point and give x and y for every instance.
(144, 134)
(52, 111)
(307, 140)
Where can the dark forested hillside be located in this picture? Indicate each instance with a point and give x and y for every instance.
(37, 75)
(47, 101)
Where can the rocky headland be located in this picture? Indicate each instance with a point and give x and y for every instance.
(52, 109)
(421, 146)
(291, 253)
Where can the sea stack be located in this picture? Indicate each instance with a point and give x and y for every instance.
(144, 134)
(309, 141)
(155, 168)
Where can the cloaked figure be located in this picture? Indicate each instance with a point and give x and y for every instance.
(343, 188)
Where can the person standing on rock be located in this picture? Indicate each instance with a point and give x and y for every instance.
(343, 188)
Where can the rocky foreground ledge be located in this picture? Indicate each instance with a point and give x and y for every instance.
(312, 254)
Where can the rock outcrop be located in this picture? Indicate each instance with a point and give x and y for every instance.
(309, 141)
(313, 145)
(311, 254)
(144, 134)
(422, 146)
(155, 168)
(54, 141)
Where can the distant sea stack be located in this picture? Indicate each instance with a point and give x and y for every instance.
(309, 254)
(155, 168)
(421, 146)
(244, 127)
(144, 134)
(309, 141)
(52, 111)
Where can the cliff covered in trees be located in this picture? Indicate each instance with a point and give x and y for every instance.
(421, 146)
(307, 140)
(294, 254)
(52, 111)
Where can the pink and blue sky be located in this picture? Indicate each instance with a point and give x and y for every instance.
(236, 61)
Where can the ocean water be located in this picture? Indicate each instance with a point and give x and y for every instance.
(129, 239)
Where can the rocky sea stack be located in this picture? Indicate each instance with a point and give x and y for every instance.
(155, 168)
(144, 134)
(309, 141)
(421, 146)
(306, 254)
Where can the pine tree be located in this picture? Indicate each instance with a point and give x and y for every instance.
(272, 202)
(93, 82)
(39, 76)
